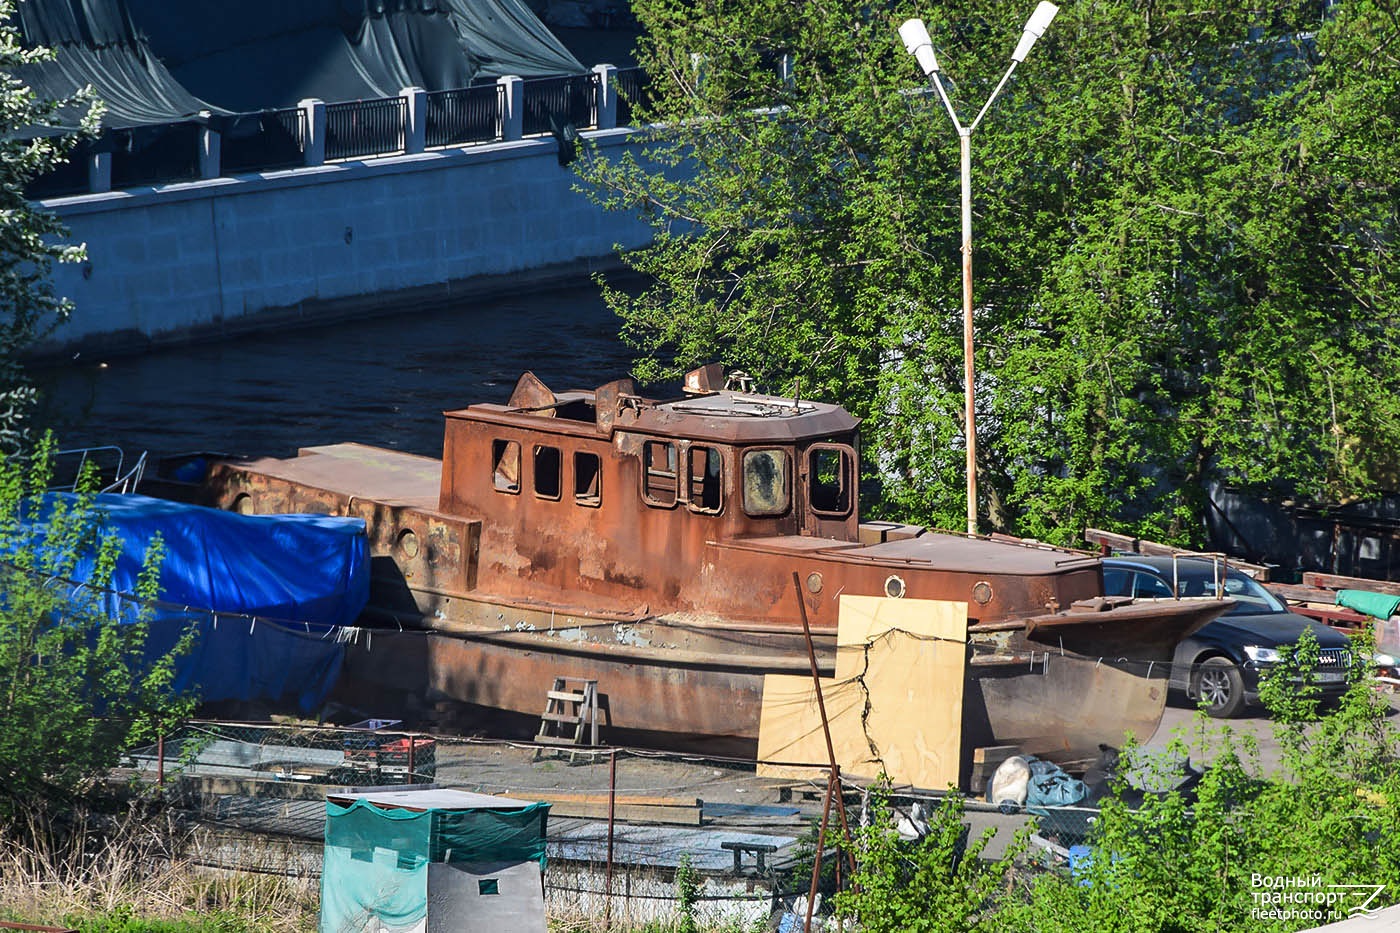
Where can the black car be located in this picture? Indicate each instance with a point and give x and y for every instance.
(1220, 663)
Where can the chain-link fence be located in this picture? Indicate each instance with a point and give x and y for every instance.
(630, 832)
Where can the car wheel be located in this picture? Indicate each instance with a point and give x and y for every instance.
(1220, 688)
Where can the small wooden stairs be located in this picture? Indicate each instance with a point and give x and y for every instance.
(570, 714)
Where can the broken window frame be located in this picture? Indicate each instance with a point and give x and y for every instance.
(750, 458)
(846, 484)
(590, 494)
(505, 466)
(660, 486)
(709, 485)
(546, 452)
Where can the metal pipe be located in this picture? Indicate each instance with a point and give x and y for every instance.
(612, 812)
(970, 411)
(160, 760)
(821, 847)
(834, 775)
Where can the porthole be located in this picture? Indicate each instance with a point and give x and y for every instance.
(982, 592)
(814, 583)
(243, 505)
(894, 586)
(408, 543)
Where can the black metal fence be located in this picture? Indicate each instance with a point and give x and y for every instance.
(365, 127)
(632, 93)
(271, 139)
(275, 139)
(69, 177)
(464, 115)
(145, 155)
(551, 103)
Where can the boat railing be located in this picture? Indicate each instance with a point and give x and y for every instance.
(1220, 566)
(109, 462)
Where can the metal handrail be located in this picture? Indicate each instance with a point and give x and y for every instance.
(124, 480)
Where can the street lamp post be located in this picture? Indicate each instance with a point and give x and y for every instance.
(918, 44)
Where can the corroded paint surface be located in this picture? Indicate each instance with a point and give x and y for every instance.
(608, 536)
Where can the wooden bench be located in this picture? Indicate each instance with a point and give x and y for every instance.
(759, 850)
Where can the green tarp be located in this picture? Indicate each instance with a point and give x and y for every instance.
(1372, 604)
(376, 857)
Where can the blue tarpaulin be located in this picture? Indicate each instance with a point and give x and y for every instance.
(265, 592)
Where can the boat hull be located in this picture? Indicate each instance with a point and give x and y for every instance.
(697, 685)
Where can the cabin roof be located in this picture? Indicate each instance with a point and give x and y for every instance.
(723, 417)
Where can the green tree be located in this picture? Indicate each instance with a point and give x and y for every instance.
(33, 141)
(1183, 223)
(938, 883)
(77, 686)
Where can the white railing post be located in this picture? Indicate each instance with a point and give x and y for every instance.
(415, 119)
(606, 100)
(100, 172)
(512, 107)
(210, 148)
(315, 111)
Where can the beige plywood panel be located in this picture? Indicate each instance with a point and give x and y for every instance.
(895, 706)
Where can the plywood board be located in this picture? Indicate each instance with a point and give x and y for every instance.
(895, 705)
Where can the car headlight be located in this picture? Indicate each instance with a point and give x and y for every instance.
(1256, 653)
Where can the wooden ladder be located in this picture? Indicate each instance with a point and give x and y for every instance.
(572, 703)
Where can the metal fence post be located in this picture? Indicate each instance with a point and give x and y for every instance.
(512, 107)
(415, 118)
(314, 152)
(210, 148)
(605, 103)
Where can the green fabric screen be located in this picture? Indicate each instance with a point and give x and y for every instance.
(376, 859)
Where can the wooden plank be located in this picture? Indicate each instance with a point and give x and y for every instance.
(1302, 594)
(985, 761)
(673, 811)
(1332, 581)
(1118, 542)
(1337, 617)
(994, 754)
(566, 697)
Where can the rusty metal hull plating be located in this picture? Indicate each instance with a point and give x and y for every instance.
(651, 546)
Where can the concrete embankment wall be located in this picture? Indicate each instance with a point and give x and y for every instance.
(208, 258)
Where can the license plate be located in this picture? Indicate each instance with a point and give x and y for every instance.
(1331, 677)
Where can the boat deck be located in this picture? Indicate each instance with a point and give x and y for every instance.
(359, 471)
(944, 551)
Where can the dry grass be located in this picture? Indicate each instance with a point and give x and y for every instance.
(76, 866)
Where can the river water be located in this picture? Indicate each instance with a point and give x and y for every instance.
(383, 381)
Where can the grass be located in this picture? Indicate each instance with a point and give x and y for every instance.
(141, 873)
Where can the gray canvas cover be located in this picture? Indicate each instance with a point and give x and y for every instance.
(158, 61)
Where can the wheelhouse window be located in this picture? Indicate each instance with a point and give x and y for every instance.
(705, 472)
(505, 465)
(830, 480)
(548, 467)
(766, 482)
(588, 489)
(659, 482)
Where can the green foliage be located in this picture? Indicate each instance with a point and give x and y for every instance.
(687, 894)
(75, 686)
(936, 883)
(1328, 813)
(1184, 227)
(122, 920)
(31, 240)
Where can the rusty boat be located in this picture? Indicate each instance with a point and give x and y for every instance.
(660, 547)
